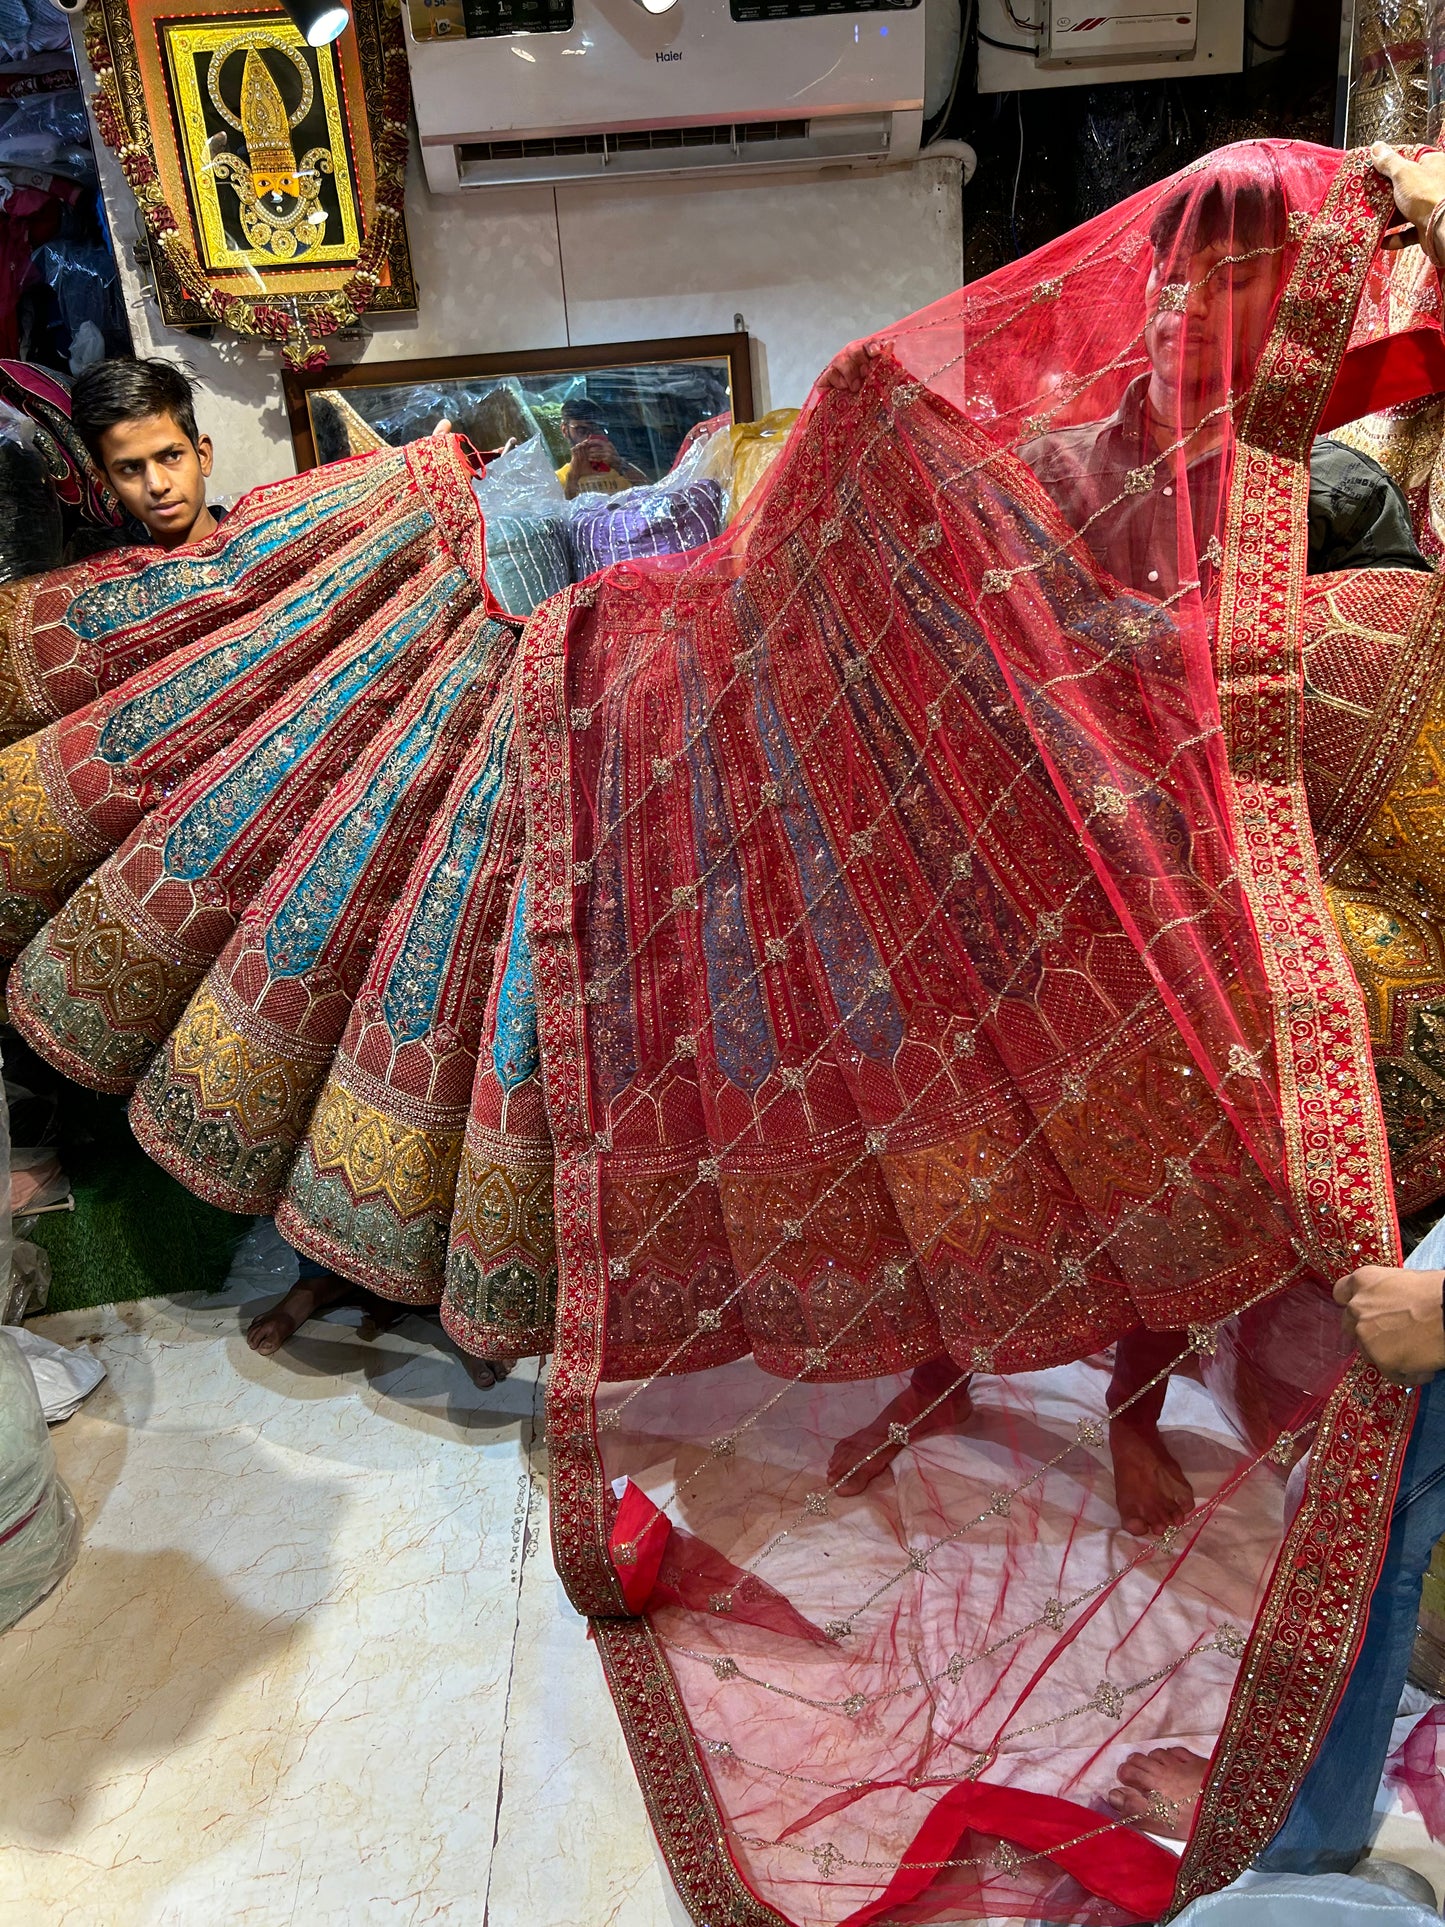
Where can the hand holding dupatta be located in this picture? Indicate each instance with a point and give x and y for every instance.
(1419, 185)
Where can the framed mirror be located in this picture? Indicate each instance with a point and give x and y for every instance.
(625, 407)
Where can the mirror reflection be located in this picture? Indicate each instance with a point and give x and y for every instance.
(602, 429)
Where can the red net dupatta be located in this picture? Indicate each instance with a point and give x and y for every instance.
(962, 1102)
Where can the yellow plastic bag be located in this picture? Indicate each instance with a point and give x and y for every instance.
(755, 447)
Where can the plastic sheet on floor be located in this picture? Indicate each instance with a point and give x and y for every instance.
(1306, 1900)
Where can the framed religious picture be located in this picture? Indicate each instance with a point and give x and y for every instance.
(645, 398)
(270, 173)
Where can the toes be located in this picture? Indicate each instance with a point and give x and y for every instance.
(855, 1483)
(849, 1477)
(1128, 1804)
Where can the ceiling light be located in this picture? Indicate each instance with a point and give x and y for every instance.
(657, 6)
(320, 21)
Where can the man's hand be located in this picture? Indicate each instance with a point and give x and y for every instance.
(1419, 187)
(1395, 1317)
(848, 371)
(596, 452)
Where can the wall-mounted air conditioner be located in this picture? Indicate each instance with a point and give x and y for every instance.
(514, 91)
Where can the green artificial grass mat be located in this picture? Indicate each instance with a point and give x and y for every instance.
(134, 1232)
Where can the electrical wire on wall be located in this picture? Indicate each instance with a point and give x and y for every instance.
(1013, 206)
(965, 26)
(1021, 26)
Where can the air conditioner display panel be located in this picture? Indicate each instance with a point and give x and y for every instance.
(484, 19)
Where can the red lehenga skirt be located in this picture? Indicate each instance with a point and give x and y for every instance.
(894, 934)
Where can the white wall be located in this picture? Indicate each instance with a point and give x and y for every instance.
(810, 263)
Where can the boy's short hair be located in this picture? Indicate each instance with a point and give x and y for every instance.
(1237, 204)
(126, 389)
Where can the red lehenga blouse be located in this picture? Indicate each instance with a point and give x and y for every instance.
(895, 933)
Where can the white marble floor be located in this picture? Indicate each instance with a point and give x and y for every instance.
(312, 1668)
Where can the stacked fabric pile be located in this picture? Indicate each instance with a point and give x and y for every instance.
(538, 541)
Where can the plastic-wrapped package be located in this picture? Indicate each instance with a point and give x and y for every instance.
(91, 516)
(30, 27)
(49, 132)
(1305, 1900)
(82, 275)
(49, 29)
(529, 555)
(521, 482)
(528, 559)
(14, 30)
(643, 521)
(29, 1285)
(39, 1525)
(65, 1375)
(1388, 93)
(755, 446)
(31, 533)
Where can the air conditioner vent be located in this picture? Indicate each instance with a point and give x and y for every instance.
(645, 140)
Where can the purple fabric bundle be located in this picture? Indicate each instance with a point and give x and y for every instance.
(643, 521)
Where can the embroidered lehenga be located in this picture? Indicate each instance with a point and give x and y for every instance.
(892, 936)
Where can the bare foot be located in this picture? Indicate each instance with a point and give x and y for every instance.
(1162, 1789)
(1150, 1490)
(485, 1371)
(936, 1400)
(316, 1292)
(268, 1333)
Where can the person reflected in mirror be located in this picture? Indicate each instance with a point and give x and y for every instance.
(595, 467)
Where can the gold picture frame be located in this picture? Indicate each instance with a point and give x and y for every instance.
(270, 173)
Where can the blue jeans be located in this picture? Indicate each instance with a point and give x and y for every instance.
(1329, 1825)
(308, 1267)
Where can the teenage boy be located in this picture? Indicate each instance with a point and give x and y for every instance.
(138, 420)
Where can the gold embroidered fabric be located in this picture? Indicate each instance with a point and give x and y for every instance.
(1375, 771)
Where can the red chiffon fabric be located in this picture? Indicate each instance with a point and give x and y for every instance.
(933, 969)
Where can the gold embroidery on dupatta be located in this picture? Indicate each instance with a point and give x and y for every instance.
(1308, 1628)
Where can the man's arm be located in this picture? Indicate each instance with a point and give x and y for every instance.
(1397, 1318)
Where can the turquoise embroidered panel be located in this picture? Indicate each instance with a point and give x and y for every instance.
(100, 611)
(208, 829)
(299, 930)
(148, 717)
(515, 1052)
(414, 983)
